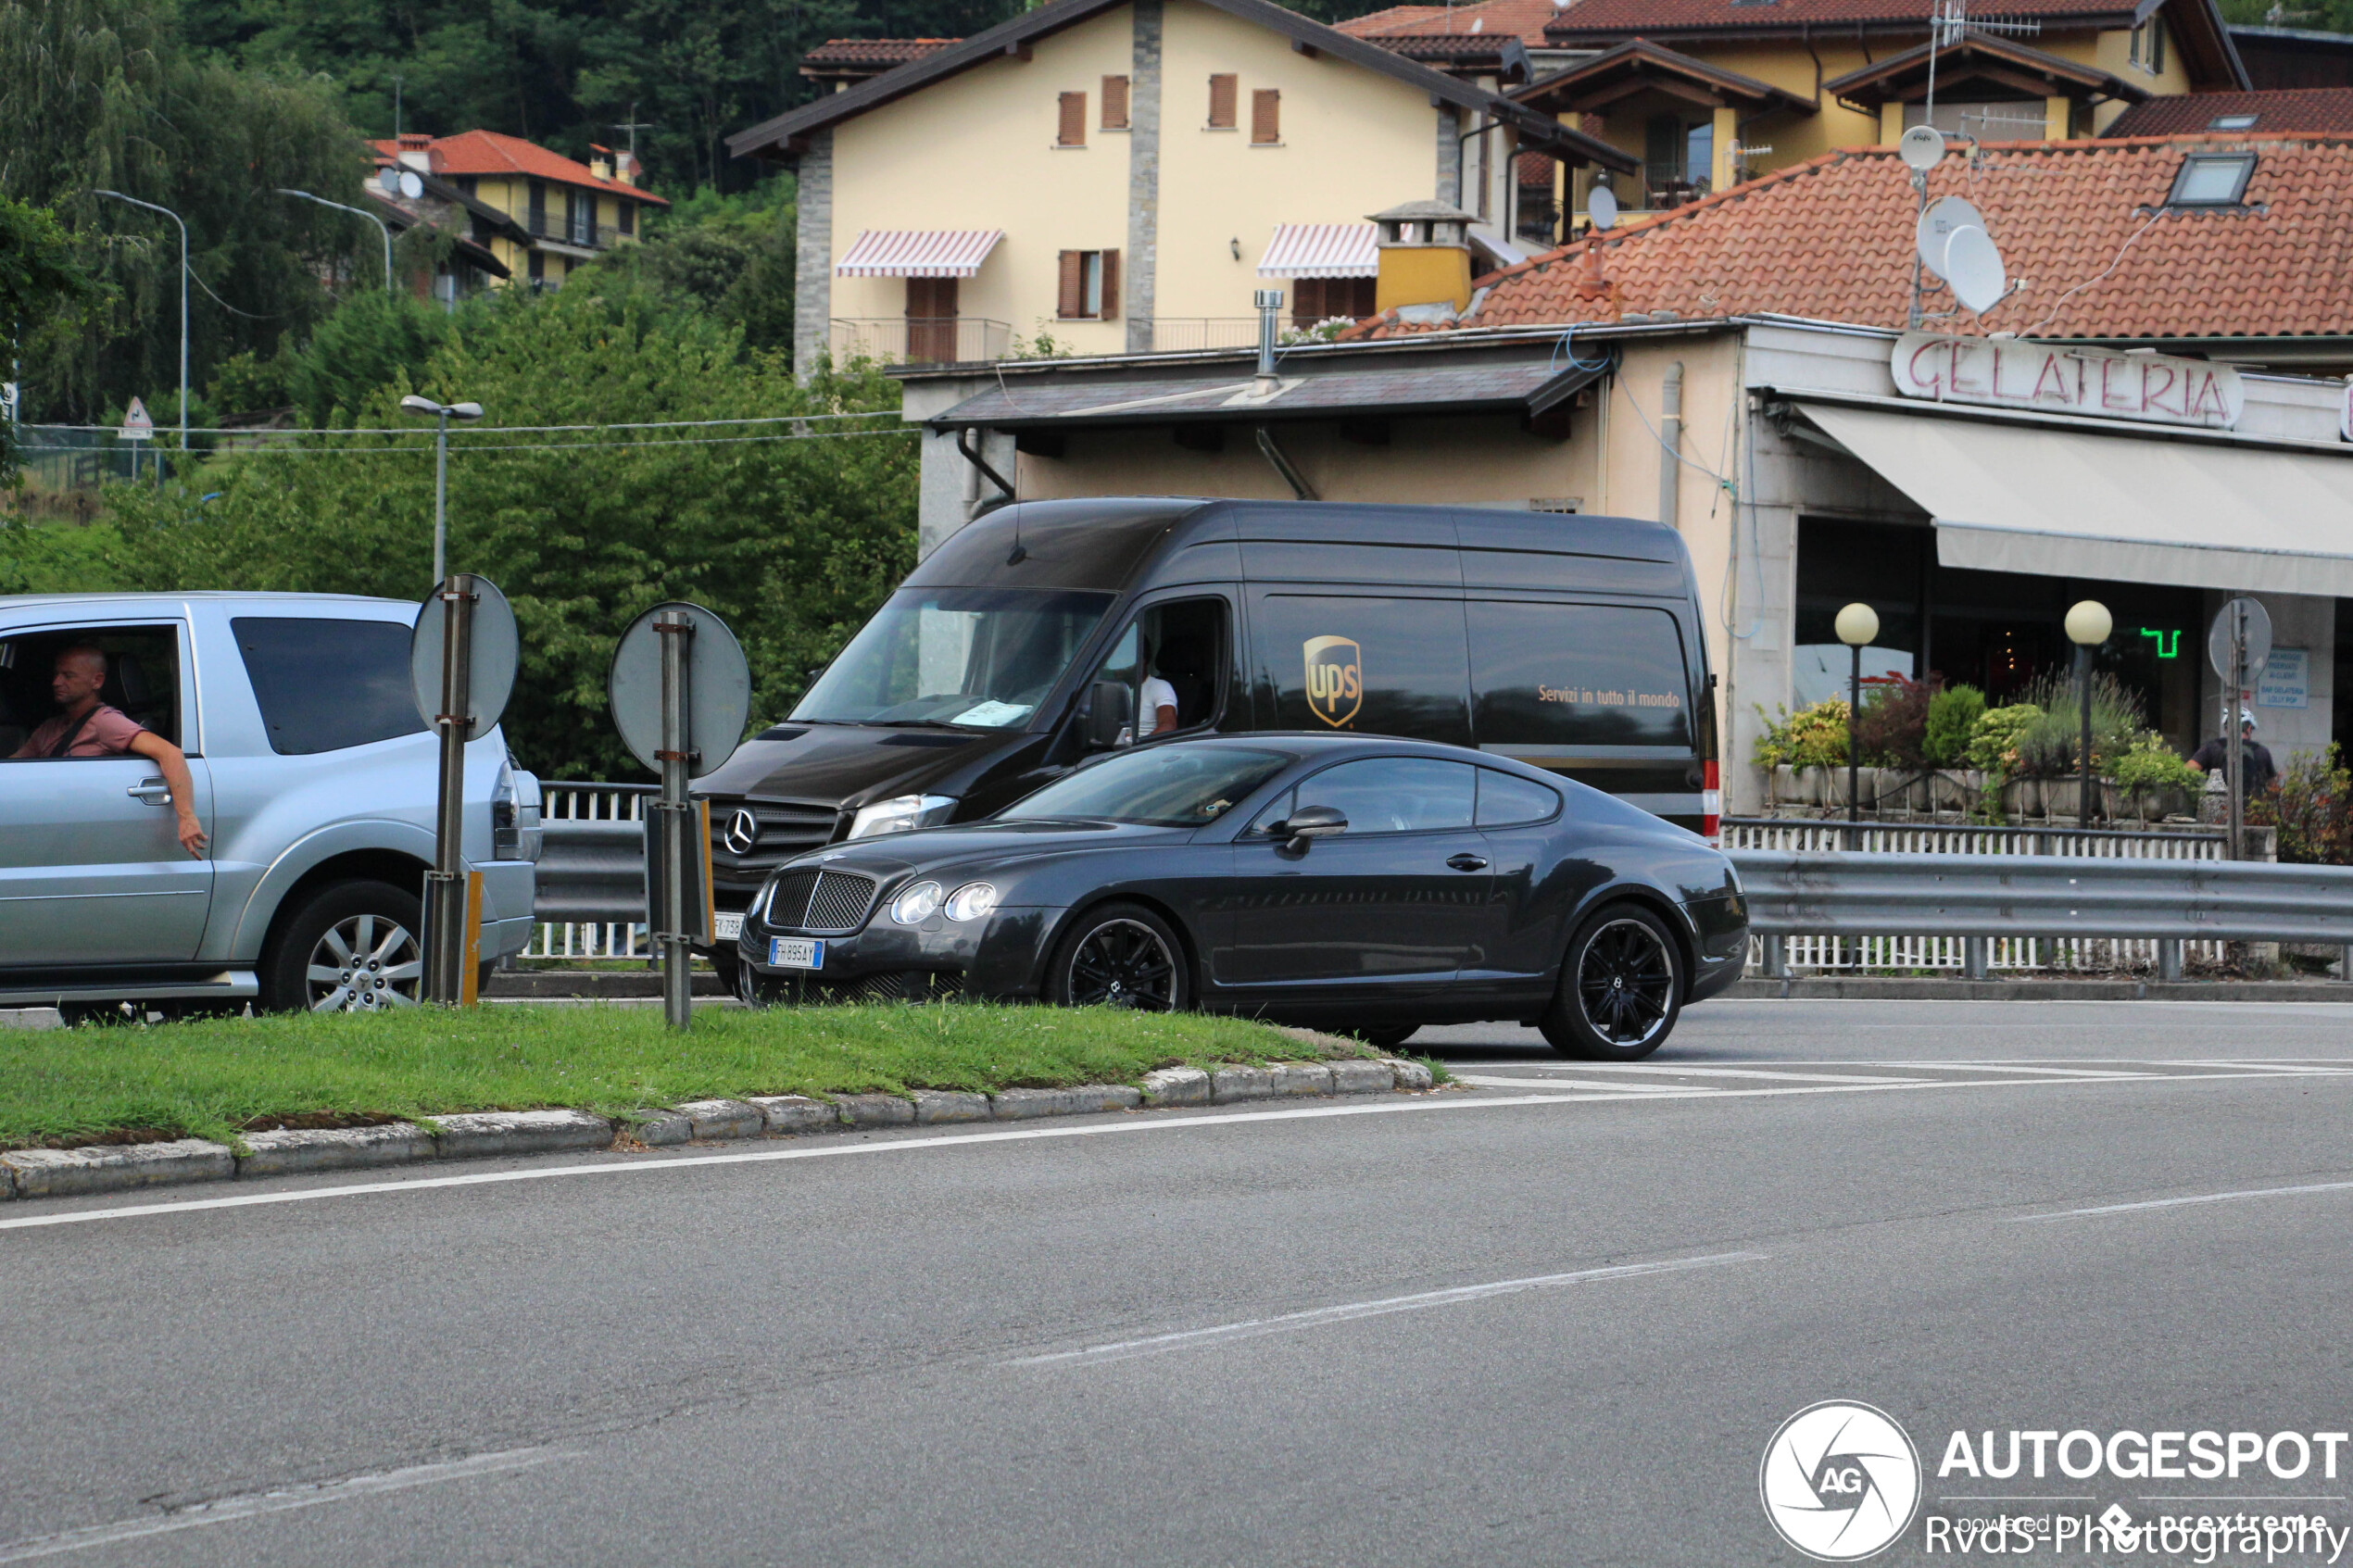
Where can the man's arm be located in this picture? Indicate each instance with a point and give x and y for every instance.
(173, 764)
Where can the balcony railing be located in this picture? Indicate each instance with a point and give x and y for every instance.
(1175, 334)
(919, 340)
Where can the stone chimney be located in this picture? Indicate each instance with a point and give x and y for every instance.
(415, 151)
(1425, 257)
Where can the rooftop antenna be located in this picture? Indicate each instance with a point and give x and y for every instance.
(395, 108)
(632, 125)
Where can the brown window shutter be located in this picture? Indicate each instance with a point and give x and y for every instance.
(1073, 133)
(1111, 284)
(1306, 301)
(1115, 103)
(1071, 298)
(1223, 92)
(1266, 115)
(1364, 291)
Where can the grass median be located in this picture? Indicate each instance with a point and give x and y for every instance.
(214, 1078)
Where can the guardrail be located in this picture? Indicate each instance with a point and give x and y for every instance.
(592, 872)
(1956, 838)
(1979, 899)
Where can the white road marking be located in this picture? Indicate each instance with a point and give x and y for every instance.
(2183, 1202)
(1485, 1081)
(2014, 1067)
(223, 1511)
(1668, 1069)
(1386, 1106)
(1317, 1317)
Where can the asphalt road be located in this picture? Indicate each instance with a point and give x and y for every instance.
(1304, 1335)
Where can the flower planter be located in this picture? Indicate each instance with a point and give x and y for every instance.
(1951, 791)
(1812, 786)
(2059, 797)
(1782, 786)
(2022, 799)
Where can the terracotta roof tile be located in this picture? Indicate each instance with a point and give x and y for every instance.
(880, 53)
(1523, 19)
(1596, 18)
(2298, 109)
(2082, 222)
(487, 152)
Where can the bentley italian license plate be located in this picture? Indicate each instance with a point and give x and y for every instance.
(796, 952)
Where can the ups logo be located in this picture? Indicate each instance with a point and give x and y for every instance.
(1335, 679)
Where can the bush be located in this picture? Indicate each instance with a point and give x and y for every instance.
(2152, 763)
(2048, 745)
(1952, 714)
(1992, 744)
(2312, 807)
(1812, 737)
(1892, 728)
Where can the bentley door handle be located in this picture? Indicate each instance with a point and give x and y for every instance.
(155, 792)
(1466, 862)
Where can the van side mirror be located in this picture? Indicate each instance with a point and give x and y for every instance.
(1307, 824)
(1110, 717)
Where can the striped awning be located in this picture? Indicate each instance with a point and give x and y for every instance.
(1321, 250)
(918, 253)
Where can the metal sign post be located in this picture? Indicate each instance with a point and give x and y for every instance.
(462, 668)
(2238, 644)
(681, 691)
(446, 883)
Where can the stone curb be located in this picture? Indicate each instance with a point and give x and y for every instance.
(65, 1173)
(1896, 988)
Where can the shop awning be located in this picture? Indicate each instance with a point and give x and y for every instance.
(2064, 502)
(918, 253)
(1321, 250)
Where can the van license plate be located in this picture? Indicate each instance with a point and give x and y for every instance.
(727, 928)
(796, 952)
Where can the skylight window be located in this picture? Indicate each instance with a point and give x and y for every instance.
(2212, 179)
(2232, 122)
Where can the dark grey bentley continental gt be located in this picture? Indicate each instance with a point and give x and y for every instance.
(1353, 883)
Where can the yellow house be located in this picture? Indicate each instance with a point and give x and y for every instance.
(1709, 93)
(1102, 176)
(539, 213)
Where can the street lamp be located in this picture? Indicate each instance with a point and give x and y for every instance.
(356, 212)
(444, 413)
(1857, 625)
(151, 207)
(2088, 624)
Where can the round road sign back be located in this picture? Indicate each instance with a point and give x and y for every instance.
(2258, 639)
(718, 690)
(490, 662)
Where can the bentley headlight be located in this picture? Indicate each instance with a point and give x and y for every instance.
(971, 901)
(901, 813)
(916, 904)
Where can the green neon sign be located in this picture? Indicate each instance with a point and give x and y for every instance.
(2169, 643)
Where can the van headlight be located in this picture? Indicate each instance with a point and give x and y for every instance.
(901, 813)
(916, 904)
(971, 901)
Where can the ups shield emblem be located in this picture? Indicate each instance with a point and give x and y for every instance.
(1335, 680)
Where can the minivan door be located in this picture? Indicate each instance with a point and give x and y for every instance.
(92, 872)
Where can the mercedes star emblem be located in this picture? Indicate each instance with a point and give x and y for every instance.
(743, 831)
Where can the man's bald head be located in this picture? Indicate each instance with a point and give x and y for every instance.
(89, 655)
(80, 670)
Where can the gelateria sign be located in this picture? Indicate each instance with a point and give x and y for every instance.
(2050, 378)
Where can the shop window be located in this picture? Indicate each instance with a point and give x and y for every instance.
(1071, 130)
(1224, 94)
(1089, 287)
(1115, 103)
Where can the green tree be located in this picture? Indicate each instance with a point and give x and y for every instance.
(792, 533)
(41, 280)
(729, 256)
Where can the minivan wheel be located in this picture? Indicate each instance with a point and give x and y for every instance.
(1620, 990)
(1121, 956)
(353, 947)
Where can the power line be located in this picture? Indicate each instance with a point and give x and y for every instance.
(519, 429)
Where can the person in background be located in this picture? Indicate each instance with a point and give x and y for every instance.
(90, 728)
(2214, 757)
(1155, 701)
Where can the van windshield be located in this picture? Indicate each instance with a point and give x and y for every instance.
(981, 659)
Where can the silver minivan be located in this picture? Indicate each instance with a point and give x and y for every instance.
(315, 784)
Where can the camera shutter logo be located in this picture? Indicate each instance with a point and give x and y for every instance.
(1840, 1481)
(743, 831)
(1335, 679)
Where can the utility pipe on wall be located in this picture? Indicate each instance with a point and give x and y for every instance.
(1670, 434)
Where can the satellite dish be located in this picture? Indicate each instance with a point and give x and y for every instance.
(1943, 216)
(410, 186)
(1921, 148)
(1602, 207)
(389, 182)
(1973, 268)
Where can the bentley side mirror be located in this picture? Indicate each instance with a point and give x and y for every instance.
(1109, 720)
(1307, 824)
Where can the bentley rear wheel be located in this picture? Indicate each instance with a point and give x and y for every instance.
(1121, 956)
(1620, 990)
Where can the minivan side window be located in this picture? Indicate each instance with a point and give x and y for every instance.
(1172, 654)
(1572, 674)
(1505, 801)
(326, 684)
(1372, 666)
(1394, 793)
